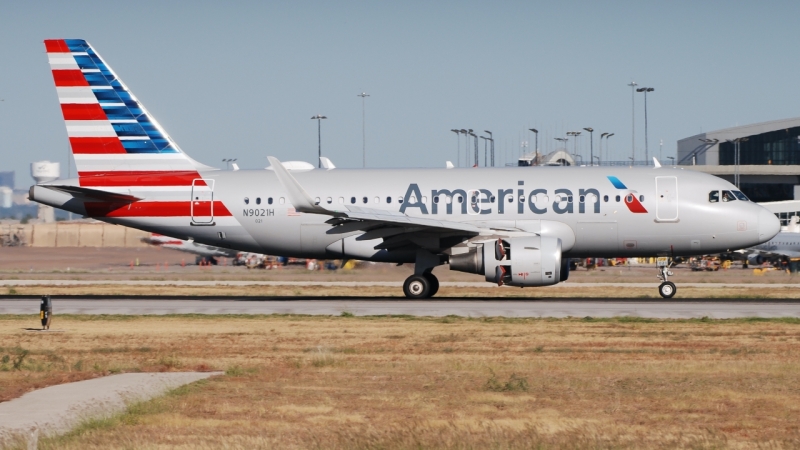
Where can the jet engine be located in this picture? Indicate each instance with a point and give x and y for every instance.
(518, 261)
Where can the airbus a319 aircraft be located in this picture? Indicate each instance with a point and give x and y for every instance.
(514, 226)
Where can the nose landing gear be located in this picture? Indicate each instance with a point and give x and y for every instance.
(667, 288)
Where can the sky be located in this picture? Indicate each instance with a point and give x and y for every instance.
(242, 79)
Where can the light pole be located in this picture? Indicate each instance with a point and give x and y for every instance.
(608, 152)
(491, 138)
(736, 148)
(575, 134)
(645, 90)
(631, 158)
(672, 158)
(660, 147)
(633, 85)
(319, 137)
(485, 151)
(476, 146)
(536, 146)
(228, 162)
(601, 147)
(458, 146)
(364, 96)
(466, 147)
(591, 144)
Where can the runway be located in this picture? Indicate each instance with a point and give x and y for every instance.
(656, 309)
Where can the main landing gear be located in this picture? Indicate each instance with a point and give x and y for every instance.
(423, 284)
(667, 288)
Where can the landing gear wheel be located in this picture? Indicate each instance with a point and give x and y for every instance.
(417, 286)
(667, 289)
(434, 284)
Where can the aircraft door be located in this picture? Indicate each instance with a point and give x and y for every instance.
(202, 204)
(666, 199)
(473, 202)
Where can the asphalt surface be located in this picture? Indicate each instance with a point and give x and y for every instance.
(657, 309)
(57, 409)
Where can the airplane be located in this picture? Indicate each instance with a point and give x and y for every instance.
(204, 253)
(514, 226)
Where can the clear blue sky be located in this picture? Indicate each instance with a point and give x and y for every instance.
(242, 80)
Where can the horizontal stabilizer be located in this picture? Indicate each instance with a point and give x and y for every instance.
(93, 195)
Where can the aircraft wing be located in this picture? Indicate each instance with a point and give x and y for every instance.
(363, 218)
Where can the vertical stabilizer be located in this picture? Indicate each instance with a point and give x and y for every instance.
(110, 131)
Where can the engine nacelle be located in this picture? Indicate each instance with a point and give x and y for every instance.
(519, 261)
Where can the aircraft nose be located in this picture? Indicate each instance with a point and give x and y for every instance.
(768, 225)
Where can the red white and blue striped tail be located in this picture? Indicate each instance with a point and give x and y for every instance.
(114, 140)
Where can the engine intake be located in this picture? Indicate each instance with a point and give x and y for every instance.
(520, 261)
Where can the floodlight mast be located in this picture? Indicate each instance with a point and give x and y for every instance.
(319, 118)
(363, 96)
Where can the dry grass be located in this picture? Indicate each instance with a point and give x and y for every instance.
(397, 382)
(558, 291)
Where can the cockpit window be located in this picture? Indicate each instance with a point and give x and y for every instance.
(713, 197)
(741, 196)
(727, 196)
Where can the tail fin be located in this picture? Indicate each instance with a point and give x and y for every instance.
(110, 132)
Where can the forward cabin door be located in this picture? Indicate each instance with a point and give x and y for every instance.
(666, 199)
(202, 205)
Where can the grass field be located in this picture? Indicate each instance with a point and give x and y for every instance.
(401, 382)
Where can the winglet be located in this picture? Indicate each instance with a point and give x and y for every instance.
(449, 165)
(657, 164)
(326, 163)
(298, 196)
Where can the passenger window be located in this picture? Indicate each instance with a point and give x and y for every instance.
(491, 199)
(618, 199)
(436, 199)
(353, 200)
(269, 200)
(388, 199)
(364, 200)
(341, 200)
(424, 199)
(329, 200)
(727, 196)
(628, 198)
(377, 199)
(400, 199)
(510, 199)
(258, 200)
(247, 200)
(522, 199)
(316, 200)
(583, 198)
(605, 198)
(641, 198)
(569, 199)
(713, 197)
(281, 200)
(741, 196)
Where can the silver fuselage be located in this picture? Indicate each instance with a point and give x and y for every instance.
(598, 221)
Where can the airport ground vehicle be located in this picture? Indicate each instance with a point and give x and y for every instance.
(513, 226)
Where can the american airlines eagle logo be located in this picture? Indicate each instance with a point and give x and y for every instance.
(633, 203)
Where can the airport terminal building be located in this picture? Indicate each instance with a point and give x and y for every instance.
(767, 164)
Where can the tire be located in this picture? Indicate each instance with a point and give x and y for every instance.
(434, 284)
(667, 289)
(417, 287)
